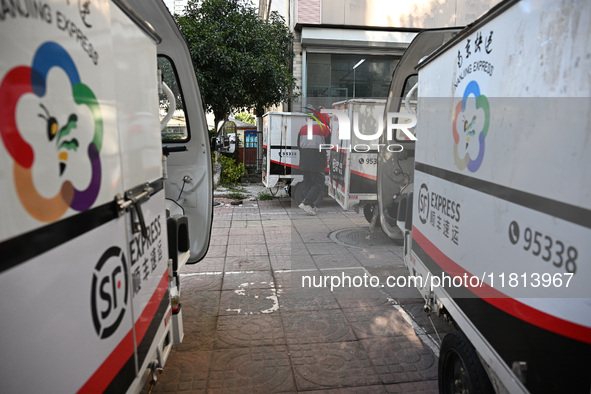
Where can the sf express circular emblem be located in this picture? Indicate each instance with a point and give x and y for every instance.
(109, 294)
(423, 203)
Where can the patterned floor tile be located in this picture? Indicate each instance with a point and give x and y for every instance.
(318, 235)
(327, 248)
(351, 390)
(236, 280)
(401, 359)
(321, 326)
(216, 251)
(263, 369)
(291, 262)
(255, 321)
(246, 250)
(201, 281)
(199, 314)
(249, 301)
(244, 231)
(286, 278)
(331, 365)
(247, 239)
(249, 331)
(336, 261)
(361, 297)
(250, 263)
(306, 299)
(424, 387)
(377, 322)
(236, 223)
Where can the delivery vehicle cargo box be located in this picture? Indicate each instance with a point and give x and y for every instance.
(353, 161)
(281, 155)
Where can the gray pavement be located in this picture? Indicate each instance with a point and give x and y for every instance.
(259, 315)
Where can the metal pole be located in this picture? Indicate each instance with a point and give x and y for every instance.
(354, 67)
(259, 142)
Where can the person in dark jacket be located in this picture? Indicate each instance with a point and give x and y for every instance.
(313, 162)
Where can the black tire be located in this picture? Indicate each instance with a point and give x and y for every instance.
(460, 369)
(368, 212)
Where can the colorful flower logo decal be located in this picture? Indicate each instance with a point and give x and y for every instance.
(21, 80)
(470, 126)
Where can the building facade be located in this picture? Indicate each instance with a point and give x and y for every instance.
(349, 48)
(176, 6)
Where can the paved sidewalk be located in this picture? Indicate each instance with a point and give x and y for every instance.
(251, 326)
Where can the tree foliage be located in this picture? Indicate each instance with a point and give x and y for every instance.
(169, 78)
(246, 117)
(240, 60)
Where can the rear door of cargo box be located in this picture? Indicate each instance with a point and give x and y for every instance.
(78, 140)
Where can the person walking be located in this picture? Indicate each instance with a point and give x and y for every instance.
(313, 162)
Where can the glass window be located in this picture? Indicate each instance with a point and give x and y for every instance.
(176, 130)
(408, 104)
(333, 77)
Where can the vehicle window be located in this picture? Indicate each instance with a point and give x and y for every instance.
(411, 81)
(176, 129)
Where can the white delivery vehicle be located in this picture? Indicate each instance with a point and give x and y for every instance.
(281, 153)
(90, 253)
(497, 209)
(353, 161)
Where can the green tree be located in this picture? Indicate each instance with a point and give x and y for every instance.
(245, 117)
(240, 60)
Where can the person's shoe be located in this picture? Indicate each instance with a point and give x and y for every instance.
(308, 209)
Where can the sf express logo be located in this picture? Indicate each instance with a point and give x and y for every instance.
(440, 207)
(109, 294)
(423, 203)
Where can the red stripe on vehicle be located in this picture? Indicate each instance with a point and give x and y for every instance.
(502, 301)
(372, 177)
(150, 310)
(109, 369)
(284, 164)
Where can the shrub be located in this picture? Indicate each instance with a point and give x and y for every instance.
(236, 196)
(231, 171)
(265, 196)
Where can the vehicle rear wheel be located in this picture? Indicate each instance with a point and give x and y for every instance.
(460, 369)
(368, 210)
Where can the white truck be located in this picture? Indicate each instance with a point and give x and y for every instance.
(353, 162)
(96, 215)
(281, 153)
(281, 156)
(494, 196)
